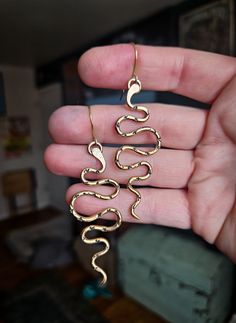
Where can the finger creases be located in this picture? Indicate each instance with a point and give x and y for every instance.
(158, 206)
(179, 127)
(195, 74)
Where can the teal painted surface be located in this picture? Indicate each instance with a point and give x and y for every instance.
(175, 274)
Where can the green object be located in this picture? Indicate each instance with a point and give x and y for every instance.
(175, 274)
(93, 289)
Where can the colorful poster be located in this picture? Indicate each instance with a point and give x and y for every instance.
(15, 136)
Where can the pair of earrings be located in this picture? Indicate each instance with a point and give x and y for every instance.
(95, 149)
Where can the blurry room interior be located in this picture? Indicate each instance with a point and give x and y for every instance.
(41, 42)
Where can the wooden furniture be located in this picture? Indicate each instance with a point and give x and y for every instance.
(18, 183)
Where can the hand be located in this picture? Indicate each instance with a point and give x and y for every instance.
(194, 174)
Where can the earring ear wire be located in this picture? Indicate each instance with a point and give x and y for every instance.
(133, 75)
(92, 125)
(135, 61)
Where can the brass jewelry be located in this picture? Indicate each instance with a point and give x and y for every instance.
(95, 149)
(134, 87)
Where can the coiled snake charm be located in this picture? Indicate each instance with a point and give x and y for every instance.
(95, 149)
(134, 87)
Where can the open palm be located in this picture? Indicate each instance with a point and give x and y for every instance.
(194, 174)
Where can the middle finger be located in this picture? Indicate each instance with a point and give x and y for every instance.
(179, 127)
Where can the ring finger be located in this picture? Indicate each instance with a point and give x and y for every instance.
(171, 168)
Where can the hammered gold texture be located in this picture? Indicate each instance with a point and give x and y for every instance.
(134, 87)
(95, 149)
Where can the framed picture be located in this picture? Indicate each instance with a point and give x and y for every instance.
(15, 136)
(2, 97)
(209, 27)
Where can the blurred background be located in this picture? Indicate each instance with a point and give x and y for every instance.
(155, 274)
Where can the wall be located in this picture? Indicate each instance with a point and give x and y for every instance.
(50, 98)
(22, 100)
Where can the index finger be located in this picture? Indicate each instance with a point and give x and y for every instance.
(195, 74)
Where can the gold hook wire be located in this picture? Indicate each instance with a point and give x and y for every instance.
(135, 60)
(92, 126)
(134, 75)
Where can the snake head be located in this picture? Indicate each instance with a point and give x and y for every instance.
(134, 87)
(95, 149)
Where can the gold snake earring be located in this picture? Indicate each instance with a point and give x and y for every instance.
(95, 149)
(134, 87)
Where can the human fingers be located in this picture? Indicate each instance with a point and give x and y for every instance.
(171, 168)
(167, 207)
(179, 127)
(195, 74)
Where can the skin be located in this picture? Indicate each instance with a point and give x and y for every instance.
(194, 174)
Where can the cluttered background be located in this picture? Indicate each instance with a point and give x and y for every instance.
(45, 273)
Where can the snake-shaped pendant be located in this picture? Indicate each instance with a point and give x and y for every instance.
(134, 87)
(95, 149)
